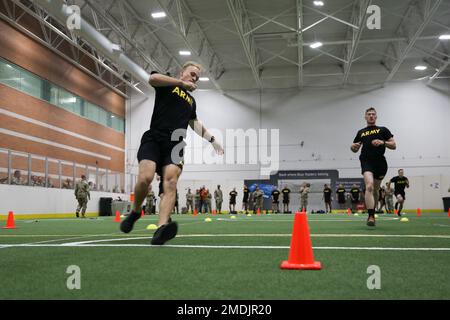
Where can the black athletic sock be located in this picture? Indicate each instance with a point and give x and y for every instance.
(400, 208)
(396, 205)
(371, 212)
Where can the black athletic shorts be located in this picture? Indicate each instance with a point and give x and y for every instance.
(378, 167)
(402, 193)
(233, 202)
(276, 202)
(285, 201)
(159, 150)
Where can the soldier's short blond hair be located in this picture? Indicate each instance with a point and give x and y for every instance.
(194, 64)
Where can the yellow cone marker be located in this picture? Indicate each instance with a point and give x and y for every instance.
(152, 227)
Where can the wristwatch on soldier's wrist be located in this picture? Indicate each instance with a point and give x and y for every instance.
(212, 139)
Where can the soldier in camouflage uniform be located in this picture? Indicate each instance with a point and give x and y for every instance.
(150, 201)
(208, 201)
(190, 201)
(197, 199)
(304, 191)
(82, 194)
(218, 196)
(258, 196)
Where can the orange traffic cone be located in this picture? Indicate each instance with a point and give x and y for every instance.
(10, 221)
(142, 213)
(214, 212)
(195, 212)
(301, 255)
(117, 219)
(448, 213)
(349, 211)
(418, 212)
(396, 212)
(258, 212)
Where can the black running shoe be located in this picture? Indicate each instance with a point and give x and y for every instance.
(371, 221)
(164, 233)
(127, 225)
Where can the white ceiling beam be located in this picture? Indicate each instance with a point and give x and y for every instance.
(331, 16)
(327, 16)
(359, 17)
(427, 13)
(269, 20)
(242, 23)
(190, 31)
(299, 10)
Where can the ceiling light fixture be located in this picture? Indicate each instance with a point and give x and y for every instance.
(315, 45)
(184, 53)
(158, 15)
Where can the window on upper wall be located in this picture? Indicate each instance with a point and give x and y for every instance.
(9, 75)
(30, 84)
(27, 82)
(91, 111)
(103, 116)
(117, 123)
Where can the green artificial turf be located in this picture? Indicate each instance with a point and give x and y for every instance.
(192, 266)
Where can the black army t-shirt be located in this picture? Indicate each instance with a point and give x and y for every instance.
(286, 192)
(355, 192)
(245, 199)
(275, 195)
(341, 195)
(233, 195)
(366, 135)
(174, 108)
(400, 184)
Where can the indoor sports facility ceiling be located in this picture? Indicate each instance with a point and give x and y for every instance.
(262, 44)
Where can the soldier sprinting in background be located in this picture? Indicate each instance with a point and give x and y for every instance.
(82, 194)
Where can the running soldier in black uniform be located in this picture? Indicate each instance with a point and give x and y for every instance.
(161, 148)
(374, 141)
(400, 183)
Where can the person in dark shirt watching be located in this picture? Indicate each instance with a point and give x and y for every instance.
(275, 201)
(327, 198)
(286, 198)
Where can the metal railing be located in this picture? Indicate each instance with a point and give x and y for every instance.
(19, 168)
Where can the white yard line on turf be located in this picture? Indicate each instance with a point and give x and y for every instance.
(88, 236)
(264, 235)
(228, 247)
